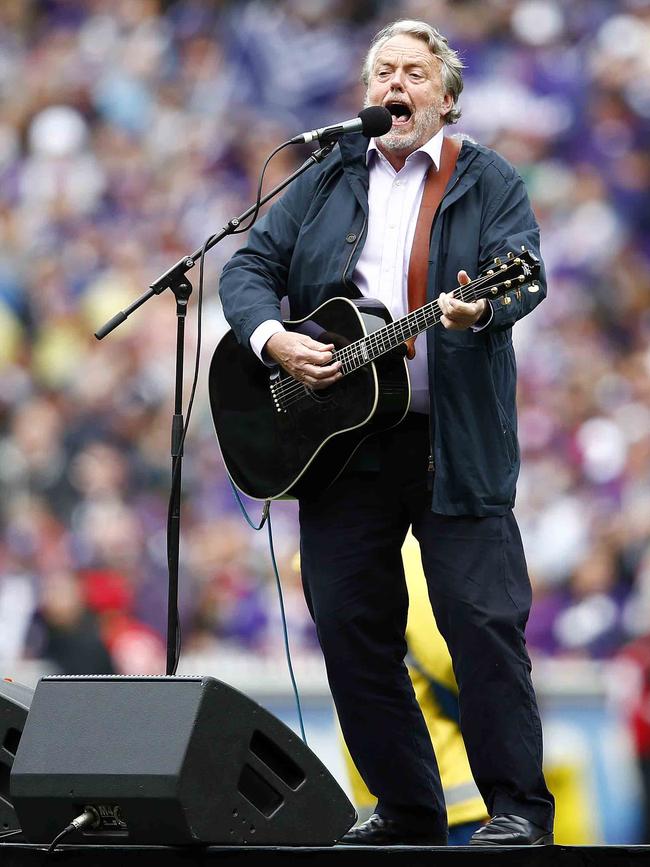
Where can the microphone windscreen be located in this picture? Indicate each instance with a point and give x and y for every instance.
(376, 121)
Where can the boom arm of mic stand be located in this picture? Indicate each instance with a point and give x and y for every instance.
(175, 279)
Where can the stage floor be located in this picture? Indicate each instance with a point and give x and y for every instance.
(17, 855)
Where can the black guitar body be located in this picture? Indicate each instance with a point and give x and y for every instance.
(281, 439)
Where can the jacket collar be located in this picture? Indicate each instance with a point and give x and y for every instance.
(353, 156)
(432, 148)
(472, 161)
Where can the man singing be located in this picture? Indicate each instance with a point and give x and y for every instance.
(368, 220)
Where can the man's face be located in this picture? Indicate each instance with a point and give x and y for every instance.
(406, 80)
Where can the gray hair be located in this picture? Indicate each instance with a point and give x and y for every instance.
(452, 65)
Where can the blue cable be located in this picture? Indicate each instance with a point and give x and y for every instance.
(265, 512)
(266, 517)
(284, 629)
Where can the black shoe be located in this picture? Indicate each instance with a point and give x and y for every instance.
(378, 831)
(506, 830)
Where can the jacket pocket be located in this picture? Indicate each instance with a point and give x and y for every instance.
(475, 460)
(503, 374)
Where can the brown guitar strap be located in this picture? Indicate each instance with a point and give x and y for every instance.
(434, 189)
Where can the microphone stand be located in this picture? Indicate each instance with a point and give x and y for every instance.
(175, 279)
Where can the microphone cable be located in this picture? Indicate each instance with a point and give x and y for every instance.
(266, 519)
(258, 200)
(197, 357)
(175, 475)
(266, 511)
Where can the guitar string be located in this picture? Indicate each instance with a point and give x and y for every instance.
(350, 354)
(374, 342)
(376, 348)
(298, 390)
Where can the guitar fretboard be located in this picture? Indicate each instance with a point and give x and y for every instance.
(494, 283)
(377, 343)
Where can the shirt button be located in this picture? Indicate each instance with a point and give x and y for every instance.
(351, 238)
(398, 183)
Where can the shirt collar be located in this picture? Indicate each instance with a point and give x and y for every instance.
(433, 148)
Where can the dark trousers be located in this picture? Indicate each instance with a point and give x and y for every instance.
(351, 539)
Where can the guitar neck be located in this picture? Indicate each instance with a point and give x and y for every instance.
(494, 283)
(378, 343)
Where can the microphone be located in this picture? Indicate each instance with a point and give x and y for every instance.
(372, 122)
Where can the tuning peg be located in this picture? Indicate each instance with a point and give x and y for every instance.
(510, 254)
(508, 284)
(506, 300)
(534, 287)
(497, 261)
(523, 249)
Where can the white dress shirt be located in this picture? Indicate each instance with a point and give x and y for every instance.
(382, 270)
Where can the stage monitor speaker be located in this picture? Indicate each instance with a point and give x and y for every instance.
(15, 700)
(169, 760)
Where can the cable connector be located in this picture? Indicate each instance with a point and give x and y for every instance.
(89, 817)
(265, 510)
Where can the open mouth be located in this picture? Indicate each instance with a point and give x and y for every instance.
(401, 113)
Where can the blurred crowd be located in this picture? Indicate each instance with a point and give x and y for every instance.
(129, 132)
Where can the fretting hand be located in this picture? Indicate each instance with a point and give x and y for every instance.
(457, 314)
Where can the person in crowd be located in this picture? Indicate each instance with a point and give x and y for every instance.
(448, 470)
(65, 630)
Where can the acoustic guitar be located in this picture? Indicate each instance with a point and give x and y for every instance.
(280, 438)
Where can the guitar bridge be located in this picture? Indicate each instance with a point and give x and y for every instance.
(278, 397)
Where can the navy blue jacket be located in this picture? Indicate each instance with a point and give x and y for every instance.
(307, 247)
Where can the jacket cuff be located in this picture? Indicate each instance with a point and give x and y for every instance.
(488, 319)
(260, 337)
(252, 319)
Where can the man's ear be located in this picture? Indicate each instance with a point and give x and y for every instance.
(447, 104)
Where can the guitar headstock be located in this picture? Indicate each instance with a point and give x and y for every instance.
(505, 275)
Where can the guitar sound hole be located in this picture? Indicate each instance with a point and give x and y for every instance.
(323, 395)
